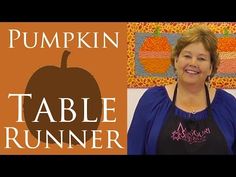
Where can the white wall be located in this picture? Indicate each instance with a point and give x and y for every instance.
(133, 96)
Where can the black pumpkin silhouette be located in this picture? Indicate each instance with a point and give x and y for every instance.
(52, 83)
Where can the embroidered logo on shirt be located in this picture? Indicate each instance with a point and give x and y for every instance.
(192, 136)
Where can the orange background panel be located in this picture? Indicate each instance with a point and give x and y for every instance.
(107, 65)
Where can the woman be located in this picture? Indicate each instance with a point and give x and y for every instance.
(187, 117)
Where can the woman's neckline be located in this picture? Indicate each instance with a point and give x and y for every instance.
(197, 112)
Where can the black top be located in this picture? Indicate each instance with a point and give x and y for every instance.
(189, 136)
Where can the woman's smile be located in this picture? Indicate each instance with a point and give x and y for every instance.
(191, 71)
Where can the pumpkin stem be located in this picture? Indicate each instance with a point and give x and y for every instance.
(157, 32)
(65, 55)
(226, 32)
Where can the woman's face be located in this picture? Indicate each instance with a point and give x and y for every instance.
(193, 64)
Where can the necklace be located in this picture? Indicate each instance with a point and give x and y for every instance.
(193, 110)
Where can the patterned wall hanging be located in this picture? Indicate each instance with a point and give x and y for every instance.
(149, 51)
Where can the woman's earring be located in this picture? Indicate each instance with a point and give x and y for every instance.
(208, 80)
(176, 76)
